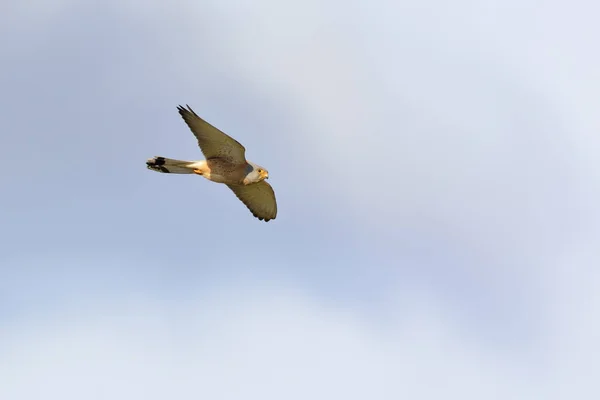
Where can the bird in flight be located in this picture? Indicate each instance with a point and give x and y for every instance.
(225, 163)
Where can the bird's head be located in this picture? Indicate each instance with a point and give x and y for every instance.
(255, 173)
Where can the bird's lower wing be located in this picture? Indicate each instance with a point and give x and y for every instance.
(259, 198)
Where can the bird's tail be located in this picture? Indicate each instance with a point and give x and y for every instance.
(170, 166)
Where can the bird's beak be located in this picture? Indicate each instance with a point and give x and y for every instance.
(265, 175)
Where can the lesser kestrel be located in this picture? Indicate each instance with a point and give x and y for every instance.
(225, 163)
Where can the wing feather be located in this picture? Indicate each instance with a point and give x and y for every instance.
(213, 142)
(259, 198)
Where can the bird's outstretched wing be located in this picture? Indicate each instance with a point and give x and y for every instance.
(259, 198)
(213, 142)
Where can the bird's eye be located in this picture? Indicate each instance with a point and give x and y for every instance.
(260, 171)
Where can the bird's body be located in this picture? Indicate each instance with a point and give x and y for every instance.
(225, 163)
(216, 170)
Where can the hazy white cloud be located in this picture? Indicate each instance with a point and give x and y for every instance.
(271, 343)
(276, 341)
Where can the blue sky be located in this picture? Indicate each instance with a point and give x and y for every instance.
(436, 171)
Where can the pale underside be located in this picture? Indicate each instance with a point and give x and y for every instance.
(221, 171)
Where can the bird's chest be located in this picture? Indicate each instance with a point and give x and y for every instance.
(225, 172)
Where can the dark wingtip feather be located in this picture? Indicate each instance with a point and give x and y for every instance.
(262, 218)
(183, 111)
